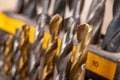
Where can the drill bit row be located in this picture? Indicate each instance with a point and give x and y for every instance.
(95, 14)
(25, 61)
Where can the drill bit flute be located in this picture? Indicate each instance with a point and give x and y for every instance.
(84, 33)
(50, 53)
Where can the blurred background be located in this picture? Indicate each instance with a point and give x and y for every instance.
(10, 5)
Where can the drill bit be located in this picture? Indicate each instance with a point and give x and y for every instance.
(8, 55)
(2, 48)
(24, 48)
(84, 33)
(16, 53)
(3, 36)
(73, 3)
(112, 33)
(41, 21)
(35, 57)
(30, 9)
(113, 27)
(95, 17)
(50, 53)
(20, 56)
(20, 6)
(67, 23)
(43, 6)
(59, 7)
(65, 53)
(70, 3)
(116, 7)
(78, 6)
(77, 9)
(114, 45)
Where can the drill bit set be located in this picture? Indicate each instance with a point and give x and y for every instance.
(57, 48)
(23, 60)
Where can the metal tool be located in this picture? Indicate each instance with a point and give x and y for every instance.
(114, 45)
(84, 33)
(111, 39)
(41, 21)
(30, 9)
(3, 36)
(36, 54)
(16, 54)
(59, 7)
(116, 7)
(43, 6)
(8, 55)
(95, 17)
(65, 54)
(20, 6)
(111, 32)
(74, 3)
(20, 56)
(78, 7)
(75, 17)
(50, 54)
(24, 48)
(70, 4)
(36, 48)
(67, 23)
(42, 15)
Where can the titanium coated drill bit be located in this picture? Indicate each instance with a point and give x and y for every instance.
(50, 53)
(95, 17)
(8, 55)
(24, 48)
(20, 56)
(84, 33)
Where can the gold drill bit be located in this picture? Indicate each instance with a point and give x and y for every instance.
(84, 33)
(8, 55)
(24, 48)
(50, 54)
